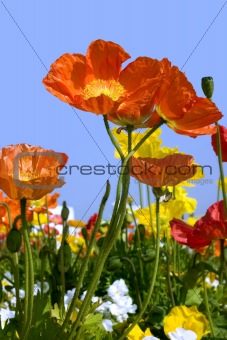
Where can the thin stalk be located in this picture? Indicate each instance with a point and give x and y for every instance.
(114, 229)
(113, 232)
(113, 140)
(16, 282)
(86, 259)
(141, 194)
(62, 262)
(138, 297)
(169, 278)
(29, 273)
(150, 291)
(222, 176)
(138, 244)
(207, 305)
(222, 179)
(8, 212)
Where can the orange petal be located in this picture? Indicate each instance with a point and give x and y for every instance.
(138, 72)
(66, 77)
(202, 113)
(137, 108)
(104, 60)
(169, 170)
(206, 130)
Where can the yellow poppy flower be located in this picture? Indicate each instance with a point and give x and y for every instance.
(76, 223)
(150, 148)
(187, 318)
(42, 219)
(137, 334)
(75, 243)
(219, 183)
(175, 208)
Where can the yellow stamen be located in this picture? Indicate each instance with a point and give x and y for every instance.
(110, 88)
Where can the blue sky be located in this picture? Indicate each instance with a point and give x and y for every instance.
(34, 34)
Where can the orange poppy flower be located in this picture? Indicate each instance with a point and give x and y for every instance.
(180, 107)
(210, 227)
(169, 170)
(96, 83)
(29, 171)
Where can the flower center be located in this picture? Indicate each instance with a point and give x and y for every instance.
(27, 175)
(110, 88)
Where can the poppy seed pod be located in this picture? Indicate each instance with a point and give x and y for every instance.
(208, 86)
(64, 212)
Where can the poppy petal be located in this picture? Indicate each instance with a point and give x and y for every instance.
(104, 60)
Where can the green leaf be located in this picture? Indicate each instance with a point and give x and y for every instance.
(193, 297)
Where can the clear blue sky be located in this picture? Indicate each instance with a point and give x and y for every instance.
(35, 33)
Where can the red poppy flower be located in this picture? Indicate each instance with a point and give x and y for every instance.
(91, 222)
(169, 170)
(208, 228)
(223, 136)
(29, 171)
(180, 107)
(96, 83)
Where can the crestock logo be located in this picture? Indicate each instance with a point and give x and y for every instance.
(109, 169)
(32, 157)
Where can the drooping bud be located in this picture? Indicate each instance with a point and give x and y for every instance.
(208, 86)
(149, 255)
(64, 212)
(14, 240)
(114, 263)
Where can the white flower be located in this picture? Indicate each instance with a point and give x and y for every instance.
(214, 284)
(150, 337)
(37, 287)
(68, 297)
(104, 307)
(21, 293)
(182, 334)
(108, 325)
(117, 290)
(126, 301)
(6, 314)
(120, 312)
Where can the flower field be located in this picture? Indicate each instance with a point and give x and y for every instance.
(151, 272)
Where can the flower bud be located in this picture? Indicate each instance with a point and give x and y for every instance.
(114, 263)
(208, 86)
(67, 255)
(64, 212)
(149, 255)
(128, 218)
(14, 240)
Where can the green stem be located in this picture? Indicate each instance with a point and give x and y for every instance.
(141, 194)
(113, 140)
(222, 176)
(29, 273)
(86, 259)
(207, 305)
(113, 232)
(9, 214)
(138, 245)
(16, 282)
(168, 277)
(222, 179)
(150, 291)
(138, 297)
(64, 234)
